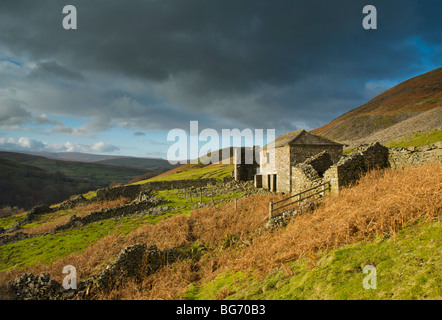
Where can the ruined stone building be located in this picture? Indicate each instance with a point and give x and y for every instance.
(288, 150)
(300, 160)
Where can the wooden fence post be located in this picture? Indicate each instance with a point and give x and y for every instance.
(236, 205)
(270, 210)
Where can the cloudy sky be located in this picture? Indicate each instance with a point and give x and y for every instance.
(134, 70)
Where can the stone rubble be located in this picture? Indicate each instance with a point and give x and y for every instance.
(282, 219)
(30, 287)
(133, 261)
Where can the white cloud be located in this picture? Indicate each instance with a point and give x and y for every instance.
(103, 147)
(28, 144)
(31, 144)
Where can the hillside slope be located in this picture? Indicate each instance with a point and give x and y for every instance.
(390, 219)
(140, 163)
(25, 186)
(213, 169)
(413, 256)
(28, 180)
(427, 121)
(101, 175)
(317, 256)
(411, 98)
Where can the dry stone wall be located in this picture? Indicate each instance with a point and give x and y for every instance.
(103, 214)
(114, 193)
(400, 158)
(133, 261)
(35, 211)
(310, 173)
(10, 238)
(350, 168)
(366, 157)
(74, 202)
(281, 220)
(136, 260)
(132, 191)
(30, 287)
(144, 204)
(304, 176)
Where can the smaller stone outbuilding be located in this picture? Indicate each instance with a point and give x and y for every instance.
(246, 163)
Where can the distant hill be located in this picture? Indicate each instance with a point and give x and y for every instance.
(214, 168)
(141, 163)
(31, 177)
(134, 162)
(411, 106)
(24, 186)
(101, 174)
(69, 156)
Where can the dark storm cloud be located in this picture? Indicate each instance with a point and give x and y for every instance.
(251, 63)
(51, 69)
(13, 114)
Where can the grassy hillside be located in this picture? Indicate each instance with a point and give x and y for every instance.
(92, 246)
(69, 156)
(215, 169)
(193, 171)
(408, 99)
(102, 175)
(417, 139)
(407, 268)
(390, 220)
(27, 180)
(24, 185)
(140, 163)
(358, 127)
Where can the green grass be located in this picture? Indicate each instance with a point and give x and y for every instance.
(87, 196)
(348, 151)
(46, 249)
(42, 219)
(11, 220)
(408, 267)
(417, 139)
(411, 140)
(195, 172)
(90, 195)
(427, 100)
(184, 204)
(99, 175)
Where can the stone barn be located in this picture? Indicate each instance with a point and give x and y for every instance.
(288, 150)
